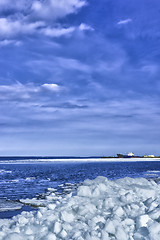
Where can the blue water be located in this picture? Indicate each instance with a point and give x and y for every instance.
(29, 179)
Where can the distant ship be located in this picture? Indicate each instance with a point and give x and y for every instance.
(129, 155)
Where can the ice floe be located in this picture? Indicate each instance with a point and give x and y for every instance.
(8, 205)
(51, 195)
(2, 171)
(124, 209)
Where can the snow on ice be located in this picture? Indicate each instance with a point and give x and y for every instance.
(124, 209)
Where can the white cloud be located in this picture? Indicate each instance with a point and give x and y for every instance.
(54, 9)
(25, 91)
(29, 17)
(85, 27)
(57, 32)
(9, 28)
(61, 31)
(125, 21)
(43, 9)
(52, 87)
(18, 87)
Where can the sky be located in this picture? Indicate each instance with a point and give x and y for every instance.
(79, 77)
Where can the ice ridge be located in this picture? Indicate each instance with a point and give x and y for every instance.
(124, 209)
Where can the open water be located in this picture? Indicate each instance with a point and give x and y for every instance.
(29, 179)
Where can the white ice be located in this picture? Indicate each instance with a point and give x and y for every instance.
(7, 205)
(2, 171)
(124, 209)
(21, 161)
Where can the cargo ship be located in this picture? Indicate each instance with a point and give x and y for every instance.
(129, 155)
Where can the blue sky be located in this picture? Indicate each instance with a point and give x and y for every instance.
(79, 77)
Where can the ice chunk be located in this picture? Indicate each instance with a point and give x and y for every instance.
(119, 211)
(125, 209)
(154, 231)
(39, 214)
(109, 203)
(2, 171)
(63, 234)
(14, 236)
(142, 221)
(96, 192)
(155, 214)
(51, 236)
(109, 227)
(121, 234)
(84, 191)
(51, 206)
(51, 189)
(57, 227)
(67, 217)
(34, 202)
(153, 205)
(128, 221)
(87, 208)
(28, 231)
(8, 205)
(105, 236)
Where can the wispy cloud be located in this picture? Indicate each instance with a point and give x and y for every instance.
(60, 31)
(125, 21)
(54, 65)
(26, 91)
(57, 32)
(52, 87)
(7, 42)
(72, 64)
(85, 27)
(80, 74)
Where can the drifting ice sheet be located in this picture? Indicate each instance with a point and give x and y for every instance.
(125, 209)
(6, 205)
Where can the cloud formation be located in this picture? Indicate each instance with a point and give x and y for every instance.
(7, 42)
(85, 27)
(52, 9)
(57, 32)
(14, 5)
(26, 91)
(52, 87)
(83, 75)
(9, 28)
(55, 9)
(125, 21)
(29, 17)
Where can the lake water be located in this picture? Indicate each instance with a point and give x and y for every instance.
(27, 180)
